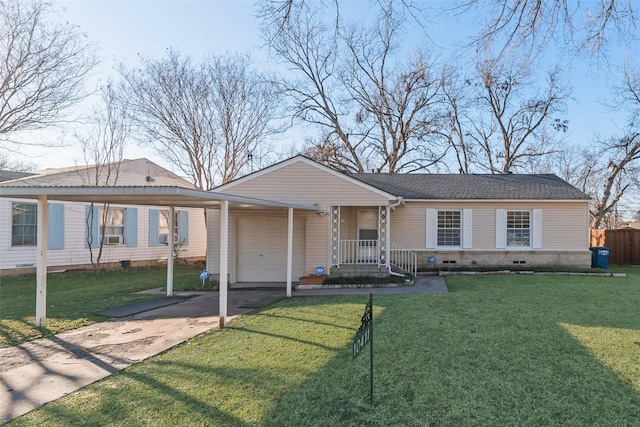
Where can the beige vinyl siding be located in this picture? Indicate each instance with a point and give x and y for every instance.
(316, 230)
(348, 223)
(409, 225)
(305, 184)
(564, 224)
(484, 226)
(559, 223)
(317, 243)
(315, 253)
(213, 243)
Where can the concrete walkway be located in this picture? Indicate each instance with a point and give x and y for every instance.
(43, 370)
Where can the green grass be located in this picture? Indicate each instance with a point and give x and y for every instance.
(495, 351)
(73, 297)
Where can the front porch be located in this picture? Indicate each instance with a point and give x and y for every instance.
(361, 245)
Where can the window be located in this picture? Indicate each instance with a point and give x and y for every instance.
(24, 226)
(163, 227)
(518, 228)
(159, 227)
(449, 229)
(112, 222)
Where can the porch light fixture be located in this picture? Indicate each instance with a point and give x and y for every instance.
(323, 213)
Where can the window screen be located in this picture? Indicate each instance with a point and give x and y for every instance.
(449, 228)
(518, 228)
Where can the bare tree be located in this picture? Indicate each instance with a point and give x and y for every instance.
(9, 164)
(43, 65)
(206, 118)
(513, 121)
(375, 109)
(246, 109)
(458, 102)
(617, 177)
(531, 25)
(103, 147)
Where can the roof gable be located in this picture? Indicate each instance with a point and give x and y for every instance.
(300, 159)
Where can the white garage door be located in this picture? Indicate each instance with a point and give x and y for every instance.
(262, 249)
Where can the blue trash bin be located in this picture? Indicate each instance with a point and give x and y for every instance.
(600, 257)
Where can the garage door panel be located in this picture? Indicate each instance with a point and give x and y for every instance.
(262, 249)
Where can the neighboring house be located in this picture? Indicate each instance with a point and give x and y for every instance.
(399, 221)
(134, 234)
(633, 225)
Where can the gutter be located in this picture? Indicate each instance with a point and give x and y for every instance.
(398, 203)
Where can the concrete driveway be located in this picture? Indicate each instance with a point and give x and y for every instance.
(43, 370)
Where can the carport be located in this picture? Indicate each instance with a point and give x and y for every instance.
(165, 196)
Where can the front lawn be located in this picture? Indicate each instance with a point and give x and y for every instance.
(74, 296)
(495, 351)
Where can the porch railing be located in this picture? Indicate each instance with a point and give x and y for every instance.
(368, 252)
(359, 252)
(403, 259)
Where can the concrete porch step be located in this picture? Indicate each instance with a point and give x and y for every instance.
(353, 270)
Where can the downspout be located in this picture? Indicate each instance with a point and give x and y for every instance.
(399, 202)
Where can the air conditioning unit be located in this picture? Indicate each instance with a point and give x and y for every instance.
(164, 239)
(113, 240)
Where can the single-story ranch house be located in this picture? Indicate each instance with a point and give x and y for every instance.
(285, 221)
(399, 222)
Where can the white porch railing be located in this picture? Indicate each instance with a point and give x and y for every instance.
(368, 252)
(359, 252)
(403, 259)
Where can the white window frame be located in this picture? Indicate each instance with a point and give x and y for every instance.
(15, 205)
(163, 226)
(517, 226)
(466, 229)
(446, 220)
(113, 233)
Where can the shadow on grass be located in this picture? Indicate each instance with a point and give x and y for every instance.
(17, 331)
(72, 300)
(120, 405)
(301, 319)
(490, 354)
(450, 362)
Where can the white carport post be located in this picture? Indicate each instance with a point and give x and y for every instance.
(170, 255)
(289, 251)
(41, 268)
(224, 260)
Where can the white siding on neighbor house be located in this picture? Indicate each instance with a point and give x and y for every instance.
(305, 184)
(564, 225)
(75, 251)
(72, 249)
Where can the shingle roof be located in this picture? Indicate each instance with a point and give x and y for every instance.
(9, 175)
(473, 187)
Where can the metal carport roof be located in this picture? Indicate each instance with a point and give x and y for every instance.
(170, 196)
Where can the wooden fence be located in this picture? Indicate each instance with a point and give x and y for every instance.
(624, 244)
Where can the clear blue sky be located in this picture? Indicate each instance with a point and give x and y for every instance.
(124, 29)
